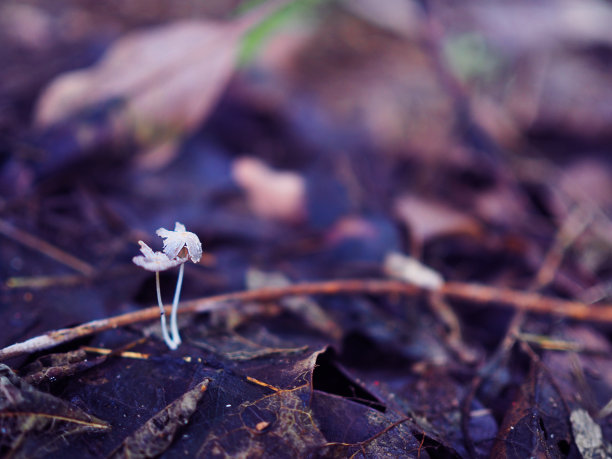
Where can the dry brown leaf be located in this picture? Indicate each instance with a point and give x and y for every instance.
(427, 219)
(156, 435)
(271, 194)
(34, 423)
(168, 76)
(163, 81)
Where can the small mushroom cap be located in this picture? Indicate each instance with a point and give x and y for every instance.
(154, 261)
(174, 241)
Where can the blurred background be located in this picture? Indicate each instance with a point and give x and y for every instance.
(308, 141)
(310, 138)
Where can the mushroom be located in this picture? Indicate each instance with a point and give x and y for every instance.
(156, 262)
(179, 244)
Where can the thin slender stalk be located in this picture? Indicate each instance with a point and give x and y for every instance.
(176, 338)
(162, 312)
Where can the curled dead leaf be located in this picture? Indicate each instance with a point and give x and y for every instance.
(165, 77)
(156, 435)
(428, 219)
(34, 423)
(153, 85)
(271, 194)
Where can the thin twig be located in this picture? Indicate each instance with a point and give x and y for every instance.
(42, 282)
(573, 226)
(522, 301)
(552, 344)
(453, 338)
(41, 246)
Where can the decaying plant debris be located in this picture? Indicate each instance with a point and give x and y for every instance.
(404, 209)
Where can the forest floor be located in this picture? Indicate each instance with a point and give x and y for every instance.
(405, 209)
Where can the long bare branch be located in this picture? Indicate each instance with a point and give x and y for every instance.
(472, 293)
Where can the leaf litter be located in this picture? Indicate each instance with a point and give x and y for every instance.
(359, 141)
(35, 423)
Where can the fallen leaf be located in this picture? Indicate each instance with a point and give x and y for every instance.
(153, 86)
(168, 76)
(154, 437)
(428, 219)
(271, 194)
(433, 397)
(588, 435)
(537, 424)
(292, 431)
(352, 428)
(34, 423)
(56, 366)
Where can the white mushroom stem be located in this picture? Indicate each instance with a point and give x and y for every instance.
(176, 338)
(169, 341)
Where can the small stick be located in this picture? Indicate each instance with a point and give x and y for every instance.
(44, 247)
(552, 344)
(263, 384)
(125, 354)
(522, 301)
(42, 282)
(574, 225)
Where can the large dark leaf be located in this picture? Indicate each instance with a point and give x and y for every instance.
(35, 423)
